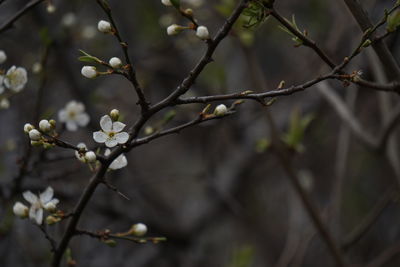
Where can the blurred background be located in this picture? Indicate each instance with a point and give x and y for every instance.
(215, 191)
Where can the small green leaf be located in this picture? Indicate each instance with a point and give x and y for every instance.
(393, 21)
(86, 59)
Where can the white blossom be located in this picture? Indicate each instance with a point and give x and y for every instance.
(81, 156)
(89, 72)
(166, 2)
(74, 115)
(3, 56)
(139, 229)
(174, 29)
(20, 210)
(90, 156)
(118, 163)
(35, 135)
(16, 78)
(115, 62)
(45, 126)
(202, 33)
(104, 26)
(111, 133)
(28, 127)
(4, 103)
(45, 201)
(220, 110)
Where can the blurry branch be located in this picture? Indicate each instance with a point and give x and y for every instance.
(48, 237)
(367, 222)
(9, 23)
(392, 69)
(385, 256)
(106, 235)
(347, 116)
(114, 189)
(130, 68)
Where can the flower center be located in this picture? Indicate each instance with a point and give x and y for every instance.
(111, 134)
(72, 114)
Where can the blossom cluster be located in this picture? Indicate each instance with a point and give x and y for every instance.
(14, 80)
(174, 29)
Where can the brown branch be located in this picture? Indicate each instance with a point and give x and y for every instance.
(9, 23)
(131, 70)
(103, 235)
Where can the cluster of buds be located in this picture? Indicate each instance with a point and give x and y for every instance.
(38, 136)
(85, 155)
(174, 29)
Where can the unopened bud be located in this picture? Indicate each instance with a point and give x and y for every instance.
(114, 114)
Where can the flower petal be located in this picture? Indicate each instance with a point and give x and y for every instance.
(71, 126)
(106, 123)
(54, 201)
(107, 152)
(122, 137)
(62, 115)
(47, 195)
(111, 142)
(118, 163)
(100, 137)
(118, 126)
(82, 119)
(39, 216)
(30, 197)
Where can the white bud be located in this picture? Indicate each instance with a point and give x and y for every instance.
(89, 72)
(90, 156)
(35, 135)
(115, 62)
(139, 229)
(3, 57)
(174, 29)
(50, 207)
(114, 114)
(4, 103)
(166, 2)
(45, 126)
(37, 67)
(28, 127)
(104, 26)
(220, 110)
(202, 33)
(20, 210)
(51, 8)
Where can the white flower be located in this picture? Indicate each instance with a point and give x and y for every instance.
(220, 110)
(166, 2)
(74, 115)
(78, 155)
(16, 78)
(118, 163)
(90, 156)
(4, 103)
(20, 210)
(45, 126)
(111, 133)
(104, 26)
(89, 72)
(28, 127)
(44, 201)
(35, 135)
(174, 29)
(115, 62)
(3, 57)
(139, 229)
(202, 33)
(68, 20)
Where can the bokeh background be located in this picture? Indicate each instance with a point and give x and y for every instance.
(215, 191)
